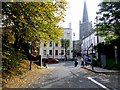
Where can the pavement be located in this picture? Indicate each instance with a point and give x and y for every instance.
(99, 70)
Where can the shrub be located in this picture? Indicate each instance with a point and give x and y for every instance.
(111, 64)
(11, 59)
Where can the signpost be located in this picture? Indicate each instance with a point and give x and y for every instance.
(73, 47)
(116, 56)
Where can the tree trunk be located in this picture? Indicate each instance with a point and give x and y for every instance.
(65, 55)
(16, 44)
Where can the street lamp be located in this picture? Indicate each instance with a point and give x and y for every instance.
(73, 47)
(116, 54)
(53, 48)
(92, 56)
(97, 54)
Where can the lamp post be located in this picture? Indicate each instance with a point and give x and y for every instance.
(116, 54)
(40, 60)
(92, 56)
(73, 47)
(53, 49)
(97, 54)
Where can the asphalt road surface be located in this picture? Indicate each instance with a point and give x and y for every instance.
(65, 75)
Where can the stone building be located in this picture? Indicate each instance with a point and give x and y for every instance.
(54, 50)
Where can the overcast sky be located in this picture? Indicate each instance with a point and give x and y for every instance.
(74, 13)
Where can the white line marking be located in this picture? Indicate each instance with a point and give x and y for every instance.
(98, 83)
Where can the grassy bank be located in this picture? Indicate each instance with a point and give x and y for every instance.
(12, 74)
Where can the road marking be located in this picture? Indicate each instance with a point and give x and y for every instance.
(98, 83)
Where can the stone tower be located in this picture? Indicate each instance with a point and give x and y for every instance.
(85, 25)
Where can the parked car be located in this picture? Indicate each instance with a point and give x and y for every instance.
(50, 60)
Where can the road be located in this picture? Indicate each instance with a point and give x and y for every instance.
(65, 75)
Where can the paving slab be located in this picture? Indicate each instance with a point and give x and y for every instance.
(99, 70)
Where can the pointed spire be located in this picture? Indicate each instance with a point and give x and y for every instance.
(85, 13)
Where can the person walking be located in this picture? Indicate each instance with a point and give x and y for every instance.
(82, 62)
(76, 62)
(46, 61)
(86, 59)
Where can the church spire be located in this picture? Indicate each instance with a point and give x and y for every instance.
(85, 13)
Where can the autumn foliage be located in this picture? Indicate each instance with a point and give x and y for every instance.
(25, 22)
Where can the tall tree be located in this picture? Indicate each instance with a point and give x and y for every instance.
(34, 19)
(25, 22)
(65, 44)
(108, 20)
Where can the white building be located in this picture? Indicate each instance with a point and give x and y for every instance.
(53, 50)
(90, 39)
(87, 35)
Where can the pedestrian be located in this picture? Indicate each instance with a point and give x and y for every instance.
(76, 63)
(82, 62)
(86, 59)
(47, 56)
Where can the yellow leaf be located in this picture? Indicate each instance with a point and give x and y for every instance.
(14, 16)
(21, 17)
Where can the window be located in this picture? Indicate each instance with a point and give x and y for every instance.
(68, 34)
(44, 45)
(68, 52)
(50, 52)
(56, 52)
(89, 42)
(62, 52)
(50, 43)
(56, 45)
(44, 52)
